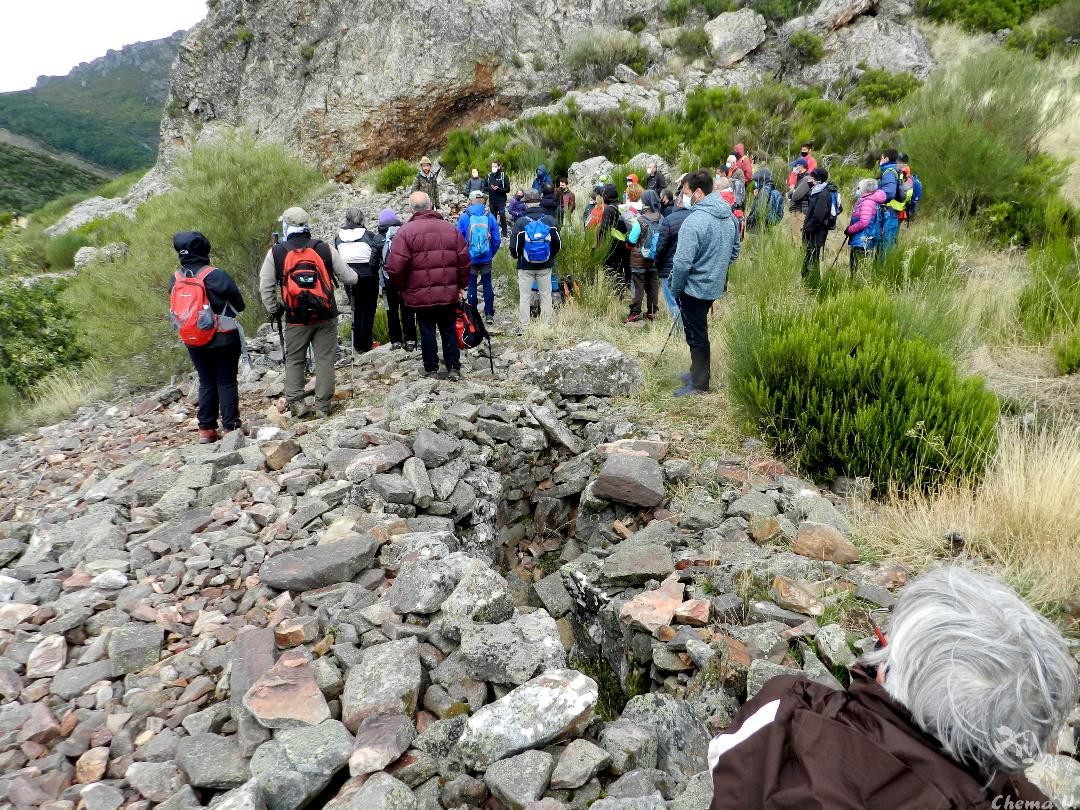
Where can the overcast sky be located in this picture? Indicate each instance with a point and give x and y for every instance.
(50, 37)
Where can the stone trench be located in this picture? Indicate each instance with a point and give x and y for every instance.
(501, 593)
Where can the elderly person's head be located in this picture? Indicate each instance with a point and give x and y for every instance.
(722, 184)
(978, 669)
(419, 201)
(354, 217)
(866, 186)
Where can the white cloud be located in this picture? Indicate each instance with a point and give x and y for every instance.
(49, 37)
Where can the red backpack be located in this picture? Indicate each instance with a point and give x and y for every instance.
(306, 290)
(189, 308)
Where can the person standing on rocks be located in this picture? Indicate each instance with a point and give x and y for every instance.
(498, 188)
(400, 321)
(534, 243)
(216, 362)
(429, 264)
(427, 182)
(303, 269)
(481, 234)
(356, 245)
(474, 183)
(969, 687)
(708, 243)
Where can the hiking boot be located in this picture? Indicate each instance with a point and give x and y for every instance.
(322, 414)
(688, 391)
(208, 436)
(453, 374)
(634, 317)
(396, 345)
(410, 346)
(649, 316)
(298, 409)
(432, 373)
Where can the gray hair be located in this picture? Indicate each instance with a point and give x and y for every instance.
(722, 184)
(354, 216)
(419, 201)
(532, 195)
(984, 674)
(867, 186)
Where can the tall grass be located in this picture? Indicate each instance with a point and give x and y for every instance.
(1022, 520)
(594, 55)
(54, 397)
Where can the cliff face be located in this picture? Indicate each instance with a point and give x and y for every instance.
(350, 85)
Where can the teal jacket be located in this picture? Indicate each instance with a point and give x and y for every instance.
(708, 243)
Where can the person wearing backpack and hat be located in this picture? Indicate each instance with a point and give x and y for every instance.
(429, 263)
(481, 233)
(356, 245)
(819, 221)
(645, 242)
(427, 181)
(534, 243)
(216, 360)
(400, 320)
(304, 269)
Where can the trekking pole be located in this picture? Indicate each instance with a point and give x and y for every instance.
(674, 326)
(281, 338)
(841, 250)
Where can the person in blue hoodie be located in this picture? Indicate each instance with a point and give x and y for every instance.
(889, 182)
(542, 177)
(472, 224)
(708, 243)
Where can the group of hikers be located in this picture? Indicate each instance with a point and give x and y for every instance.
(674, 241)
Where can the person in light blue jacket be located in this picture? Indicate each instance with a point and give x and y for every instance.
(478, 227)
(708, 243)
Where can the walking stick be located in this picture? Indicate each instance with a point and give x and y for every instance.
(281, 338)
(674, 326)
(841, 250)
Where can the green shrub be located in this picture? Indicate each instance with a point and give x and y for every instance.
(636, 23)
(594, 55)
(983, 15)
(805, 47)
(676, 11)
(60, 250)
(877, 88)
(36, 336)
(1050, 303)
(693, 43)
(233, 190)
(846, 386)
(244, 34)
(394, 175)
(973, 134)
(1067, 352)
(307, 52)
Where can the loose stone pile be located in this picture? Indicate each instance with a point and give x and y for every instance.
(479, 594)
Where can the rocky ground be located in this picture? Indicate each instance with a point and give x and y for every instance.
(503, 592)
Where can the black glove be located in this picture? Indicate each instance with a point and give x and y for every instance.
(277, 311)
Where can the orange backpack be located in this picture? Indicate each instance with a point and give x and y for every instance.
(306, 290)
(189, 308)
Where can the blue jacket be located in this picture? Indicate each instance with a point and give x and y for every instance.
(708, 243)
(476, 209)
(889, 182)
(542, 177)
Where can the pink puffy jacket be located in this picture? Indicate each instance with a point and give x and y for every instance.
(865, 212)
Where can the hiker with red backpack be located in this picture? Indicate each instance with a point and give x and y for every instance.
(304, 269)
(429, 264)
(203, 303)
(480, 230)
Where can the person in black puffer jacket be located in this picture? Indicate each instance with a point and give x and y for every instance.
(665, 256)
(218, 361)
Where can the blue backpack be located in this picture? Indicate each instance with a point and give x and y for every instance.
(479, 236)
(537, 242)
(775, 212)
(650, 240)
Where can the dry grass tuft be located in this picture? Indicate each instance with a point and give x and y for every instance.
(59, 395)
(1023, 520)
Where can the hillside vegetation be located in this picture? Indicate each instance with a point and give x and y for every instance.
(28, 179)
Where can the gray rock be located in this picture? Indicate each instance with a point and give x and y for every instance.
(73, 681)
(579, 762)
(734, 34)
(298, 763)
(558, 703)
(589, 368)
(155, 781)
(101, 797)
(245, 797)
(753, 504)
(319, 566)
(630, 745)
(556, 429)
(392, 488)
(183, 799)
(681, 736)
(434, 449)
(379, 741)
(639, 783)
(698, 794)
(386, 681)
(635, 563)
(421, 586)
(762, 671)
(416, 475)
(212, 761)
(517, 781)
(553, 594)
(514, 651)
(377, 459)
(383, 792)
(652, 802)
(134, 646)
(833, 646)
(481, 596)
(464, 789)
(634, 480)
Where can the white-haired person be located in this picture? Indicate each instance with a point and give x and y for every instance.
(971, 685)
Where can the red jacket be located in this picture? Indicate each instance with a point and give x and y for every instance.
(428, 262)
(744, 162)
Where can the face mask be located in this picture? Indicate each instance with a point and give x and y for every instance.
(687, 200)
(805, 152)
(494, 169)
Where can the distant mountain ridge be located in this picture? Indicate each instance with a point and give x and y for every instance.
(106, 112)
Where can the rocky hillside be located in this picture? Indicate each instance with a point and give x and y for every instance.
(106, 112)
(478, 594)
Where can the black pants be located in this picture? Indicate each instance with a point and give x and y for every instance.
(695, 315)
(365, 300)
(400, 320)
(857, 256)
(500, 215)
(811, 266)
(444, 319)
(217, 367)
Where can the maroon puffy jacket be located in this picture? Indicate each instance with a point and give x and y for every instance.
(428, 262)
